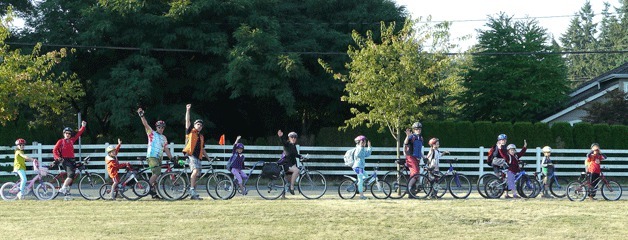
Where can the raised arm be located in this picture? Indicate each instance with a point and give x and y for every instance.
(187, 116)
(80, 131)
(144, 122)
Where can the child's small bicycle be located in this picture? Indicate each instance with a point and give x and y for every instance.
(226, 189)
(380, 189)
(129, 181)
(43, 190)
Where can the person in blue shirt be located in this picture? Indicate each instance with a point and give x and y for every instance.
(362, 150)
(413, 149)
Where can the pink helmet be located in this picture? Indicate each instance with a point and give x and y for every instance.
(433, 141)
(20, 141)
(359, 138)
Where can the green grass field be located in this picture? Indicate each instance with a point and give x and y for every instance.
(327, 218)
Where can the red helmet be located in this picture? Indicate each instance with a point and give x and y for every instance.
(160, 123)
(433, 141)
(20, 141)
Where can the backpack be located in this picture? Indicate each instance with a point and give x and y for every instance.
(491, 154)
(230, 162)
(271, 170)
(349, 159)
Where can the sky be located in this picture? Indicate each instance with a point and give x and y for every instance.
(456, 10)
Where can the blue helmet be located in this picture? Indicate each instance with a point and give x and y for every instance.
(502, 137)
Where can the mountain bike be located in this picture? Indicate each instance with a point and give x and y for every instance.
(310, 183)
(175, 185)
(89, 182)
(458, 184)
(226, 189)
(557, 186)
(132, 180)
(380, 189)
(579, 189)
(42, 191)
(525, 185)
(398, 180)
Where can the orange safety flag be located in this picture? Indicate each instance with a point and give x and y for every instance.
(222, 140)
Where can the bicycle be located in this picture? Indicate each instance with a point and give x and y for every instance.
(139, 186)
(579, 189)
(380, 189)
(398, 180)
(175, 185)
(458, 184)
(311, 184)
(89, 182)
(525, 185)
(226, 189)
(557, 186)
(43, 190)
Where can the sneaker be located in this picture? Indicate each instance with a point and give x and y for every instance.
(19, 196)
(196, 197)
(156, 196)
(292, 191)
(363, 198)
(63, 190)
(67, 197)
(244, 191)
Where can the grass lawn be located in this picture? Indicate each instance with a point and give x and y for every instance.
(327, 218)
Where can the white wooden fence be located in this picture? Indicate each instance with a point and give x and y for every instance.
(328, 160)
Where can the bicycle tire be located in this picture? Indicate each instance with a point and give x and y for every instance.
(174, 186)
(421, 188)
(105, 192)
(494, 187)
(577, 191)
(54, 181)
(399, 187)
(611, 191)
(459, 186)
(480, 185)
(558, 187)
(141, 188)
(380, 189)
(269, 188)
(225, 189)
(89, 186)
(347, 189)
(212, 184)
(8, 192)
(527, 186)
(439, 187)
(312, 185)
(45, 191)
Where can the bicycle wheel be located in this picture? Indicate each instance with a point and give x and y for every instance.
(399, 185)
(312, 185)
(141, 188)
(527, 186)
(174, 185)
(212, 184)
(380, 189)
(480, 185)
(225, 189)
(54, 181)
(494, 187)
(105, 192)
(421, 187)
(459, 186)
(577, 191)
(269, 188)
(89, 186)
(347, 189)
(45, 191)
(558, 187)
(611, 191)
(9, 191)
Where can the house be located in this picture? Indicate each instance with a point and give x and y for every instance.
(591, 91)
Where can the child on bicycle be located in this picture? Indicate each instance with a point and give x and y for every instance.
(512, 158)
(362, 150)
(433, 159)
(594, 158)
(19, 165)
(113, 166)
(236, 164)
(548, 170)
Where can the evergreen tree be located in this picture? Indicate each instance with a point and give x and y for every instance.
(581, 36)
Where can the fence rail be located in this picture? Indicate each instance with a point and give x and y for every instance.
(328, 160)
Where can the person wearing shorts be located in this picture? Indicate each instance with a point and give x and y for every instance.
(413, 149)
(113, 166)
(63, 152)
(157, 145)
(194, 149)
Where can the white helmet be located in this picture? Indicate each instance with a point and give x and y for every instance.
(110, 148)
(511, 146)
(547, 149)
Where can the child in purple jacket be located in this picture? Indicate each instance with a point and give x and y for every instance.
(237, 164)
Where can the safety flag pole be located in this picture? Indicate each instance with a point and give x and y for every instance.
(222, 142)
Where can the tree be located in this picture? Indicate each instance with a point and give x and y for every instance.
(29, 85)
(392, 81)
(513, 87)
(581, 36)
(613, 111)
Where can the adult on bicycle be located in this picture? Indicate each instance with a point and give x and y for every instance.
(594, 158)
(194, 149)
(413, 149)
(289, 162)
(362, 150)
(63, 152)
(157, 145)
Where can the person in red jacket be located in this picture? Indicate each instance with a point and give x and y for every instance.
(63, 152)
(594, 158)
(113, 166)
(512, 159)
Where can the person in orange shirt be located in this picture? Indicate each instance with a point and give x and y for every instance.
(594, 158)
(194, 149)
(113, 166)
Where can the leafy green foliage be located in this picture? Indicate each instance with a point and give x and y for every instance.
(562, 134)
(613, 111)
(583, 135)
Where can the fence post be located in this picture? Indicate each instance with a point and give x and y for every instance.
(106, 173)
(538, 159)
(481, 170)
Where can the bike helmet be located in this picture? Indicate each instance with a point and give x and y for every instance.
(160, 123)
(67, 129)
(433, 141)
(417, 125)
(293, 135)
(595, 145)
(511, 146)
(20, 141)
(239, 145)
(110, 148)
(502, 137)
(547, 149)
(359, 138)
(198, 121)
